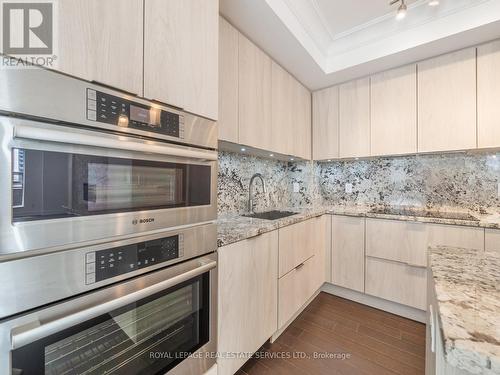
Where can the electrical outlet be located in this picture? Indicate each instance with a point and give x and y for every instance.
(296, 187)
(348, 188)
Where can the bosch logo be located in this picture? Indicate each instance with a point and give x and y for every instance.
(143, 221)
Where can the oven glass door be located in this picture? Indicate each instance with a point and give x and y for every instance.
(150, 336)
(47, 184)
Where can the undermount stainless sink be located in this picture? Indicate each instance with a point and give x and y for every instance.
(271, 215)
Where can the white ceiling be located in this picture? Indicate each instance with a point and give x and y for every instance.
(340, 16)
(324, 42)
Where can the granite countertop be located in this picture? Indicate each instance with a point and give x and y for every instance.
(234, 227)
(467, 285)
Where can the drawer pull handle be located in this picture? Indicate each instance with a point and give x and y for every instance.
(415, 265)
(300, 266)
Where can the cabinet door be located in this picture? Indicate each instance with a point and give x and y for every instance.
(354, 104)
(348, 252)
(396, 282)
(488, 95)
(394, 111)
(321, 231)
(447, 102)
(254, 95)
(180, 60)
(325, 117)
(202, 62)
(301, 112)
(247, 297)
(228, 82)
(165, 22)
(282, 107)
(102, 41)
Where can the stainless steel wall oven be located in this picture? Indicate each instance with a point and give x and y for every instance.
(107, 231)
(82, 163)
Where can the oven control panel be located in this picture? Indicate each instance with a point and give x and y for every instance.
(113, 110)
(104, 264)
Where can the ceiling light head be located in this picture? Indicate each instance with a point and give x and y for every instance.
(401, 13)
(243, 149)
(433, 3)
(271, 155)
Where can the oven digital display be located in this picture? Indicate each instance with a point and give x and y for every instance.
(139, 114)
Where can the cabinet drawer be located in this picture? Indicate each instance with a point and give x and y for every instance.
(492, 240)
(296, 244)
(408, 242)
(397, 282)
(397, 240)
(295, 288)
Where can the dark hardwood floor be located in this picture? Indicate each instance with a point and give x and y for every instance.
(366, 341)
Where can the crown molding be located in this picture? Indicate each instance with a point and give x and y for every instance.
(383, 36)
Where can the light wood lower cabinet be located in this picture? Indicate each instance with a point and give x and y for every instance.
(397, 282)
(396, 255)
(295, 288)
(348, 252)
(302, 270)
(296, 244)
(407, 242)
(247, 297)
(492, 240)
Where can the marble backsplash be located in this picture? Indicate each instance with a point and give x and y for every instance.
(236, 170)
(456, 181)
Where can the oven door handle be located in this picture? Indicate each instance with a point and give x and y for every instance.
(27, 337)
(70, 136)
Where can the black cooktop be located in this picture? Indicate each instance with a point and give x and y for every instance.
(407, 211)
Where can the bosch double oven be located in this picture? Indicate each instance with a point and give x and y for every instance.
(107, 230)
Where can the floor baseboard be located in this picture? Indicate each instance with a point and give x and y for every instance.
(378, 303)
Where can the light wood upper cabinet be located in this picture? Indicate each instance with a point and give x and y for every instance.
(228, 82)
(301, 119)
(447, 102)
(102, 41)
(325, 123)
(291, 114)
(281, 107)
(394, 111)
(247, 297)
(254, 95)
(488, 95)
(348, 252)
(354, 131)
(181, 61)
